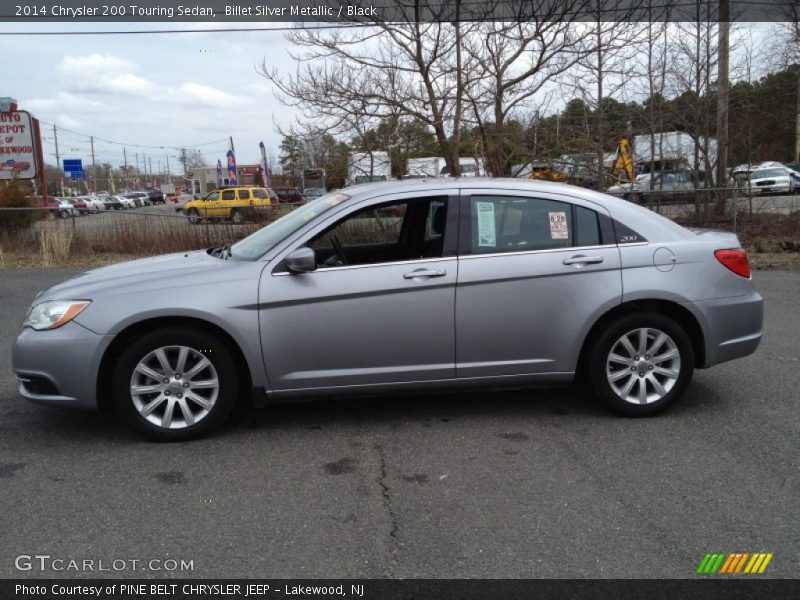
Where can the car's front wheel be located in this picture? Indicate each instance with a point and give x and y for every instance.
(641, 364)
(175, 384)
(194, 216)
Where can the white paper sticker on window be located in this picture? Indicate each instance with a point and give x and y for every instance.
(487, 235)
(558, 226)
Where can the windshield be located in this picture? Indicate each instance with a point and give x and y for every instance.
(767, 173)
(262, 240)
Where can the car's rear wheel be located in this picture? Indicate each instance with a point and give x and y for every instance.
(194, 216)
(175, 384)
(641, 364)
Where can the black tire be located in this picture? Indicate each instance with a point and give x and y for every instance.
(63, 214)
(598, 361)
(212, 348)
(194, 216)
(237, 217)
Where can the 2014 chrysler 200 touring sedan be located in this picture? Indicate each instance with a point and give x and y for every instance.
(395, 287)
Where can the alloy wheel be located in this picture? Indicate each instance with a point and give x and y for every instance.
(643, 366)
(174, 387)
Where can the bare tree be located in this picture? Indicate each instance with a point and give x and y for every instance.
(653, 58)
(512, 65)
(356, 75)
(606, 73)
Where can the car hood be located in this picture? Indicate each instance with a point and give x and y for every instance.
(169, 271)
(623, 187)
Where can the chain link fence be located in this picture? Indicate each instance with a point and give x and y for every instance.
(764, 223)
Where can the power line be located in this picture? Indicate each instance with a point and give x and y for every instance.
(160, 147)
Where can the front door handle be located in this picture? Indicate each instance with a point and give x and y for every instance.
(579, 260)
(425, 273)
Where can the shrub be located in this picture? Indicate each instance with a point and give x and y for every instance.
(14, 195)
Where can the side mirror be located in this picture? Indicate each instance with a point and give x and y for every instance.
(302, 260)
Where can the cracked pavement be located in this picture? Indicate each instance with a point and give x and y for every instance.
(489, 484)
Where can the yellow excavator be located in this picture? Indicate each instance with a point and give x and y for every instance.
(622, 169)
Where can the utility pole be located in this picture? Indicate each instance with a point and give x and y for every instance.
(150, 161)
(723, 93)
(58, 161)
(797, 126)
(94, 168)
(125, 158)
(169, 177)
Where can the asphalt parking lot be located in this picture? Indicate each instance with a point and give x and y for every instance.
(512, 484)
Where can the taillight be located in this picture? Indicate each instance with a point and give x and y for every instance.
(734, 259)
(252, 202)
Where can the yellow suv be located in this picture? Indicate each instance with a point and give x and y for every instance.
(234, 203)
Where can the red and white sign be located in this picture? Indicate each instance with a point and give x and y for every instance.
(17, 145)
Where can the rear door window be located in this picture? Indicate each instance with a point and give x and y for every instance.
(516, 224)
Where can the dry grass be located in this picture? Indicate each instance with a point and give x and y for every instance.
(55, 243)
(118, 237)
(773, 241)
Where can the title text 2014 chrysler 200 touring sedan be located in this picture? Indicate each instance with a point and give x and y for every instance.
(394, 287)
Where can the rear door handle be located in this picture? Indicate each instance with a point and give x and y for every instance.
(425, 273)
(580, 259)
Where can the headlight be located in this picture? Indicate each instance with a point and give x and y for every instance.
(54, 314)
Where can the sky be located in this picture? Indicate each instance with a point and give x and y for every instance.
(162, 91)
(169, 90)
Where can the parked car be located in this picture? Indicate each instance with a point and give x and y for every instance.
(79, 204)
(126, 202)
(400, 287)
(156, 196)
(56, 207)
(67, 209)
(140, 198)
(313, 193)
(94, 204)
(288, 195)
(181, 200)
(234, 203)
(774, 180)
(667, 186)
(112, 203)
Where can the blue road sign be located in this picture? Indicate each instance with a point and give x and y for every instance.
(73, 168)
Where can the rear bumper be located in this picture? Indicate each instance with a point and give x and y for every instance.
(732, 327)
(59, 367)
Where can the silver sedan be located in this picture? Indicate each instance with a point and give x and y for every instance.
(397, 287)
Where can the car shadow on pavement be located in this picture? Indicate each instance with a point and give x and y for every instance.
(396, 409)
(45, 426)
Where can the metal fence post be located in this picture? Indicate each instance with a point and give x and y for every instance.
(735, 207)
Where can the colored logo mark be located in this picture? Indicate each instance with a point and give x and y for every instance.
(734, 563)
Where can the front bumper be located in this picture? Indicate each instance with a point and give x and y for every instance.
(732, 326)
(59, 367)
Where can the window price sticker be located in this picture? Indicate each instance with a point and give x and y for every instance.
(487, 235)
(558, 226)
